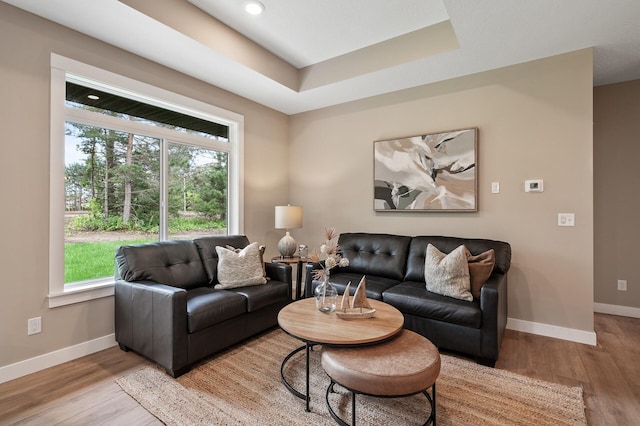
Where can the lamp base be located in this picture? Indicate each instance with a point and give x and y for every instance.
(287, 245)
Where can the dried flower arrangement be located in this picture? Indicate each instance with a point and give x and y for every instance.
(329, 252)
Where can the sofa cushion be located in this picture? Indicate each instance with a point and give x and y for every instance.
(207, 307)
(239, 269)
(480, 269)
(175, 263)
(418, 249)
(380, 255)
(259, 296)
(375, 285)
(448, 274)
(413, 298)
(207, 249)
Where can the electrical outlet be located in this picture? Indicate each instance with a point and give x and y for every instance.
(34, 325)
(622, 285)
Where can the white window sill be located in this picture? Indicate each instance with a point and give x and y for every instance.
(81, 293)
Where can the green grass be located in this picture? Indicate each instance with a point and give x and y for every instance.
(87, 261)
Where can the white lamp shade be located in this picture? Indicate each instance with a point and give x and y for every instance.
(288, 217)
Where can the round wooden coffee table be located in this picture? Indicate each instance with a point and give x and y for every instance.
(303, 321)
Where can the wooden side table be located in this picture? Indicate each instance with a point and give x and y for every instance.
(300, 261)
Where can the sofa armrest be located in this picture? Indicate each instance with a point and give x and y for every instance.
(151, 319)
(493, 304)
(280, 272)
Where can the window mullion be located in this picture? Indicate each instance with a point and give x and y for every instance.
(164, 190)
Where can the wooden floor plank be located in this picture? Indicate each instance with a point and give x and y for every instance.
(84, 391)
(60, 387)
(510, 346)
(611, 395)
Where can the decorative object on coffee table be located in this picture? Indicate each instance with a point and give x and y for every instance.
(288, 217)
(326, 294)
(345, 303)
(359, 307)
(329, 256)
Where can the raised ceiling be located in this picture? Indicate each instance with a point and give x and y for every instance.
(301, 55)
(304, 33)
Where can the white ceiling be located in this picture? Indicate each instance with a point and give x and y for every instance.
(490, 33)
(307, 32)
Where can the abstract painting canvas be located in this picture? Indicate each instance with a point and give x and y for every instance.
(434, 172)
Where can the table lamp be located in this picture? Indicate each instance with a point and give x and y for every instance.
(288, 217)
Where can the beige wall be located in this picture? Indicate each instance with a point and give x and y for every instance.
(534, 120)
(616, 140)
(26, 42)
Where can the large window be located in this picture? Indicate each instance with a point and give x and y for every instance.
(137, 167)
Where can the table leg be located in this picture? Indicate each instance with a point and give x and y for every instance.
(306, 396)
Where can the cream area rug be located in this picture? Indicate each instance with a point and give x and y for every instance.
(242, 386)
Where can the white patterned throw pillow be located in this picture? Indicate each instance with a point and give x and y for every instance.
(448, 274)
(239, 269)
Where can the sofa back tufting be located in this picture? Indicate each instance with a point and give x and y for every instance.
(175, 263)
(382, 255)
(181, 263)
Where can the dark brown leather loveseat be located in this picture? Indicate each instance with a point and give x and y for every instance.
(167, 310)
(395, 269)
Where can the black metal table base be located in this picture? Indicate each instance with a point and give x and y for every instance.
(431, 420)
(291, 389)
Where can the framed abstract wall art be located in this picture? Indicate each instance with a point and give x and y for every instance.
(432, 173)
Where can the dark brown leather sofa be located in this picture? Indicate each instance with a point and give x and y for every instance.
(167, 310)
(394, 267)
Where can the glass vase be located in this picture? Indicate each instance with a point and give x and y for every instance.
(326, 296)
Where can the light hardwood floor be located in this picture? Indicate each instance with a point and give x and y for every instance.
(83, 391)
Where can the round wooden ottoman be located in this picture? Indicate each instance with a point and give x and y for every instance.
(405, 365)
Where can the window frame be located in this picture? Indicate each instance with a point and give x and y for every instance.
(65, 69)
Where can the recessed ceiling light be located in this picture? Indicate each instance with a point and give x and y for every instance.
(93, 97)
(254, 7)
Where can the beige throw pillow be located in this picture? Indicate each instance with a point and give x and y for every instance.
(480, 269)
(447, 274)
(239, 269)
(262, 249)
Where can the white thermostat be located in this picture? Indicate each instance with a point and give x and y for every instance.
(535, 185)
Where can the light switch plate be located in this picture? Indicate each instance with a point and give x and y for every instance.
(495, 187)
(566, 219)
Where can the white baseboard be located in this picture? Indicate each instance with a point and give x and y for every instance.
(570, 334)
(31, 365)
(623, 311)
